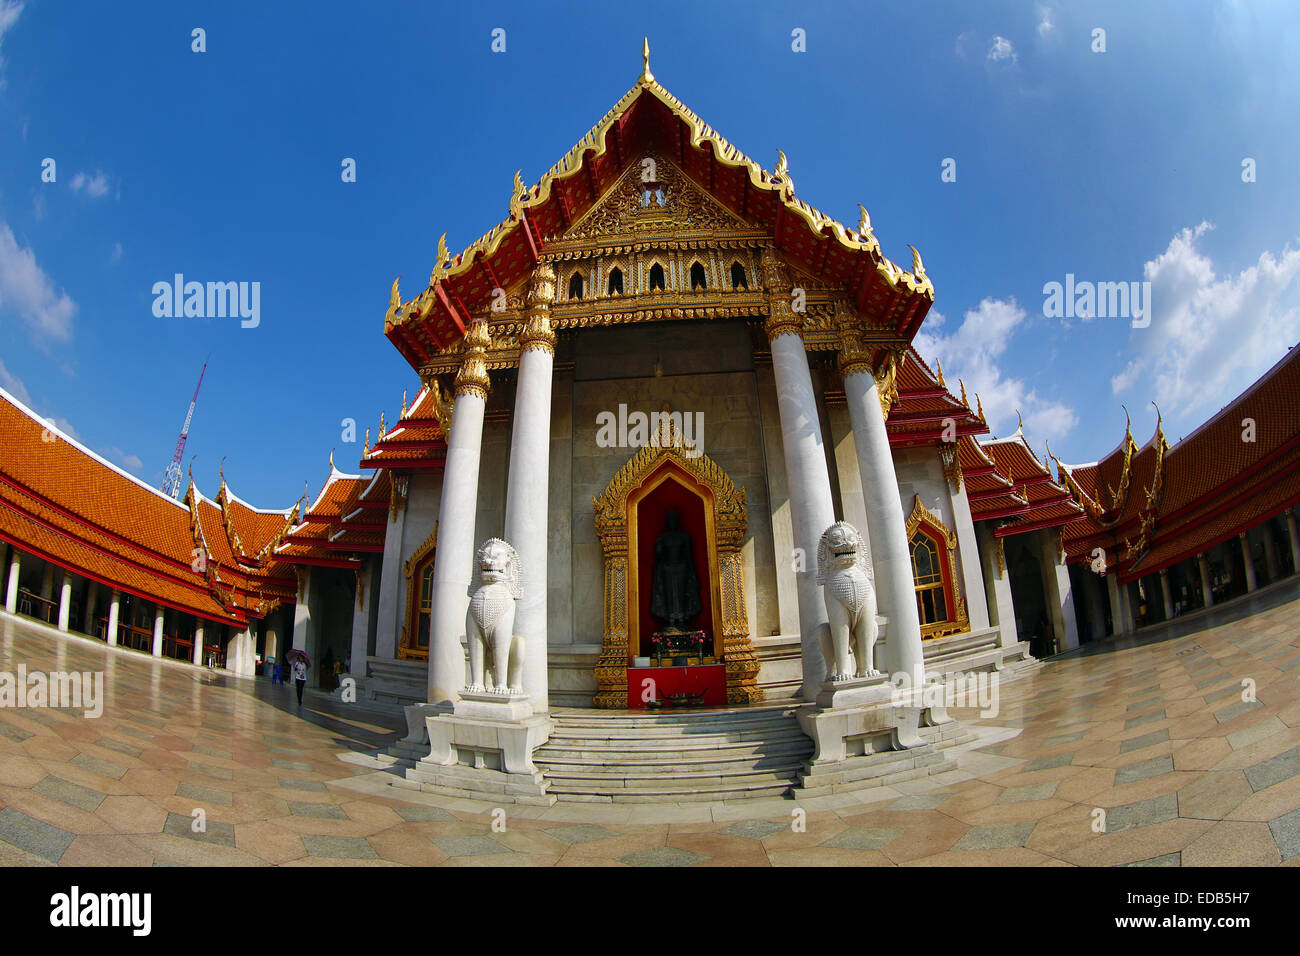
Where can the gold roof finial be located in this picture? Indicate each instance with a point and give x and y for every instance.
(403, 415)
(865, 232)
(366, 452)
(646, 75)
(381, 426)
(782, 171)
(395, 297)
(516, 206)
(963, 393)
(443, 257)
(331, 459)
(1020, 423)
(939, 365)
(918, 267)
(979, 408)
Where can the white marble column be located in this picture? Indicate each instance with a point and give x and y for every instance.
(528, 491)
(11, 588)
(812, 510)
(158, 630)
(968, 555)
(1251, 583)
(1291, 530)
(453, 561)
(1207, 591)
(891, 555)
(1165, 594)
(304, 632)
(198, 642)
(1058, 592)
(271, 650)
(997, 583)
(65, 600)
(1270, 551)
(47, 582)
(114, 611)
(360, 620)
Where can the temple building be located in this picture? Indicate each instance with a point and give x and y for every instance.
(659, 381)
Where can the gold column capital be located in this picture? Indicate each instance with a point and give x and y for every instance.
(537, 332)
(782, 319)
(472, 379)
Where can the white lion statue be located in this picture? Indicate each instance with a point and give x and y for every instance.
(490, 623)
(845, 573)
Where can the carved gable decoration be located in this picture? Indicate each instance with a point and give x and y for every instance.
(653, 197)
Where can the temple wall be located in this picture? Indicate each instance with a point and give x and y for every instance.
(706, 370)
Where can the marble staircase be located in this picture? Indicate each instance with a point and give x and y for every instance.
(638, 757)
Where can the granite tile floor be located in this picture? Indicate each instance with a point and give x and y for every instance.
(1157, 753)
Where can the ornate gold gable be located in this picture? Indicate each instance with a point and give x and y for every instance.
(728, 519)
(958, 619)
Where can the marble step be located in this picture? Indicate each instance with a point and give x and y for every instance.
(622, 755)
(703, 735)
(669, 719)
(672, 764)
(775, 788)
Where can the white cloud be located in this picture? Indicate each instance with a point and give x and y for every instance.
(96, 186)
(128, 461)
(1045, 22)
(14, 386)
(1001, 49)
(117, 253)
(9, 10)
(1209, 336)
(972, 353)
(27, 290)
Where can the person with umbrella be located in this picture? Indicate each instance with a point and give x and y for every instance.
(299, 661)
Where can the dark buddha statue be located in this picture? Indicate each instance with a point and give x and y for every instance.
(675, 598)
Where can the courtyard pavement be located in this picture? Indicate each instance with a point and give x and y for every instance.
(1136, 753)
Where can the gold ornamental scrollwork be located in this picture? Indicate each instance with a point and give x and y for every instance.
(472, 379)
(405, 646)
(537, 332)
(729, 518)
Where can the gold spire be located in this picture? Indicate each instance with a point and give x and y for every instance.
(939, 365)
(646, 76)
(382, 429)
(366, 452)
(963, 393)
(331, 459)
(403, 415)
(979, 408)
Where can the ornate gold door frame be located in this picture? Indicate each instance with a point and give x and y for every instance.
(728, 518)
(407, 647)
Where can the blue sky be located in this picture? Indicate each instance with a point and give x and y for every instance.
(225, 166)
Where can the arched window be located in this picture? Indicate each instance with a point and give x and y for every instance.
(738, 277)
(657, 277)
(418, 571)
(928, 574)
(575, 286)
(933, 548)
(615, 281)
(698, 280)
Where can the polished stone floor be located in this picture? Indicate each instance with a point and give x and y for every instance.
(1153, 736)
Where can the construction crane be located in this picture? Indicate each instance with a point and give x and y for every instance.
(172, 476)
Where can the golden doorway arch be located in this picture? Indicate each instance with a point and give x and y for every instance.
(667, 459)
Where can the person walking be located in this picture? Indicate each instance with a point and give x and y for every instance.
(300, 676)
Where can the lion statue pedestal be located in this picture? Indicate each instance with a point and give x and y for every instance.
(485, 746)
(866, 733)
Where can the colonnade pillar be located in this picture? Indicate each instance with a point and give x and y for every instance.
(812, 509)
(1292, 531)
(157, 631)
(1251, 582)
(1166, 595)
(11, 593)
(528, 488)
(891, 556)
(114, 611)
(453, 562)
(65, 600)
(1207, 591)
